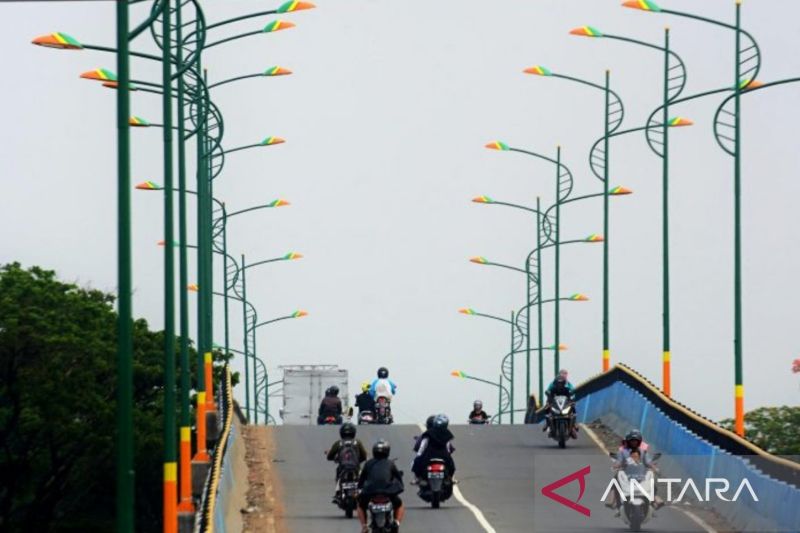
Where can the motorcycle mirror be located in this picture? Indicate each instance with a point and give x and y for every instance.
(656, 456)
(350, 411)
(612, 455)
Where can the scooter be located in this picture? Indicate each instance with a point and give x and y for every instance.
(366, 417)
(347, 495)
(381, 515)
(637, 483)
(383, 411)
(437, 485)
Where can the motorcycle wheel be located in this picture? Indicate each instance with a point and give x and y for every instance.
(635, 519)
(348, 512)
(435, 500)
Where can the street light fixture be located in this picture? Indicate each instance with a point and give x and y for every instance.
(614, 114)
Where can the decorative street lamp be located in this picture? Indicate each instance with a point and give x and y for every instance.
(613, 116)
(747, 59)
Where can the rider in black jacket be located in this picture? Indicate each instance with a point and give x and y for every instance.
(436, 443)
(380, 477)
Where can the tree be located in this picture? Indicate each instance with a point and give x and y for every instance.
(57, 407)
(773, 429)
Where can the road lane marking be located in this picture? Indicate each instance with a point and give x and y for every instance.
(693, 517)
(466, 503)
(592, 435)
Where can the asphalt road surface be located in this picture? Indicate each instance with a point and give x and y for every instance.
(501, 471)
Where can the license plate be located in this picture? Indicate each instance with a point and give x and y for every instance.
(380, 507)
(349, 486)
(435, 475)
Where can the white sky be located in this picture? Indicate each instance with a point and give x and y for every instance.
(386, 117)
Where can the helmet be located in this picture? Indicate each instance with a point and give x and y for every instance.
(429, 421)
(347, 431)
(328, 392)
(441, 421)
(383, 372)
(477, 405)
(365, 386)
(381, 449)
(633, 435)
(334, 390)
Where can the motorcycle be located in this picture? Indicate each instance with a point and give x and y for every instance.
(366, 417)
(437, 485)
(331, 420)
(561, 420)
(637, 499)
(381, 515)
(347, 495)
(383, 411)
(478, 421)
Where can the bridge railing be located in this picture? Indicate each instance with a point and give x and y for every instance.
(696, 448)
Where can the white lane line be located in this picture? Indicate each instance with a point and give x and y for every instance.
(466, 503)
(693, 517)
(592, 435)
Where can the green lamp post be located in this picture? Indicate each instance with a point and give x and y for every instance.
(614, 113)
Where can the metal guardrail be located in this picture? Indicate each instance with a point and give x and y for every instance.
(206, 519)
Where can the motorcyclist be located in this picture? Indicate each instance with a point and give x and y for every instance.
(477, 413)
(330, 405)
(380, 477)
(418, 438)
(383, 386)
(436, 443)
(347, 452)
(365, 401)
(633, 442)
(632, 450)
(561, 387)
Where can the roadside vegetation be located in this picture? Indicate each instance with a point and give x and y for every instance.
(57, 407)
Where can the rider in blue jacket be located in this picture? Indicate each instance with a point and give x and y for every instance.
(383, 386)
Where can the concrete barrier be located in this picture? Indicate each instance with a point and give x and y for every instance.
(232, 487)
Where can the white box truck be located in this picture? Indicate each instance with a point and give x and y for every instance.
(304, 387)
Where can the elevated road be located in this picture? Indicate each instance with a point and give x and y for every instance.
(501, 471)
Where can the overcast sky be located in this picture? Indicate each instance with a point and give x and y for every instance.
(386, 116)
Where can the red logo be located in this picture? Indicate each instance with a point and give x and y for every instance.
(580, 475)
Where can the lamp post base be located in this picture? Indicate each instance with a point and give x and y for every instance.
(185, 522)
(199, 473)
(212, 429)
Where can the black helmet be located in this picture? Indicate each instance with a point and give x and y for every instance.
(477, 405)
(383, 372)
(441, 421)
(381, 449)
(347, 431)
(634, 435)
(429, 421)
(334, 390)
(328, 392)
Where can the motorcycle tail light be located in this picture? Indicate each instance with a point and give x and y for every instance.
(437, 467)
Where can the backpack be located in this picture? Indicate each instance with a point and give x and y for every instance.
(348, 456)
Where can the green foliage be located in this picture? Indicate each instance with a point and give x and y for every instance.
(774, 429)
(57, 407)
